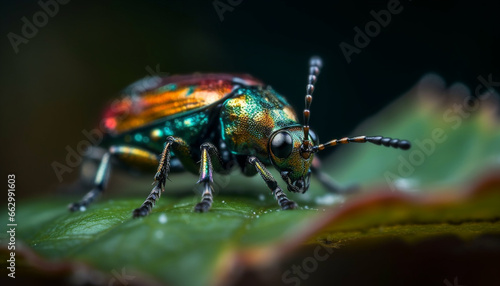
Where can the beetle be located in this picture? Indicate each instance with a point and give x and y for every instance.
(206, 123)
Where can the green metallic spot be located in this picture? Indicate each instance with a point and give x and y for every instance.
(178, 124)
(188, 122)
(168, 131)
(168, 87)
(138, 137)
(223, 131)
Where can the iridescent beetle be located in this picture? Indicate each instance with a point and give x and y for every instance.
(226, 120)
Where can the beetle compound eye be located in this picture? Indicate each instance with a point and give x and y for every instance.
(282, 145)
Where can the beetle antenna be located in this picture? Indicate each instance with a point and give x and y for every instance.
(377, 140)
(315, 65)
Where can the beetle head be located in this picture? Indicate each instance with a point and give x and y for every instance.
(291, 149)
(285, 153)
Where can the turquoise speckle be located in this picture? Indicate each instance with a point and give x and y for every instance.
(223, 133)
(168, 131)
(168, 87)
(138, 137)
(189, 122)
(190, 91)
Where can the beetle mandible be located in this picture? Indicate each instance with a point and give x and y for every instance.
(226, 121)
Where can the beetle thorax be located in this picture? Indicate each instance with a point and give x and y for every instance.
(250, 117)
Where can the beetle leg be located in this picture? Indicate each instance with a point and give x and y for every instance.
(123, 152)
(182, 151)
(327, 182)
(210, 160)
(160, 177)
(100, 182)
(280, 196)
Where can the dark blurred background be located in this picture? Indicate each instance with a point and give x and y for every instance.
(59, 80)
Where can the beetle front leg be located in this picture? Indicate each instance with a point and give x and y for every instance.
(280, 196)
(100, 182)
(327, 182)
